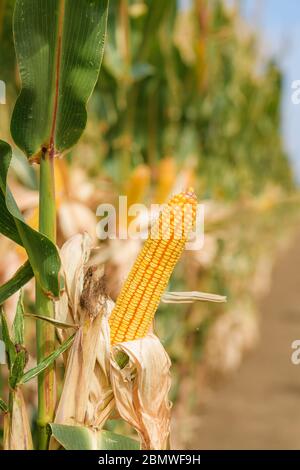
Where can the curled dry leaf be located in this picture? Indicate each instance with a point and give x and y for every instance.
(17, 434)
(141, 390)
(74, 255)
(191, 297)
(83, 303)
(74, 406)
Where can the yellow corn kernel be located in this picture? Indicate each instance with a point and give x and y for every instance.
(138, 300)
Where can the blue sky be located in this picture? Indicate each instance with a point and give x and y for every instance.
(278, 23)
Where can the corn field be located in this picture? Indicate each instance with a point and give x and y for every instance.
(104, 338)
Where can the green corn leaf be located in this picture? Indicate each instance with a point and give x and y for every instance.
(82, 438)
(23, 172)
(7, 222)
(152, 23)
(53, 321)
(59, 46)
(18, 325)
(21, 277)
(9, 345)
(3, 406)
(48, 361)
(121, 359)
(42, 253)
(17, 369)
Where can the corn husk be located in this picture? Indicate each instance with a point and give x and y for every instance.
(95, 386)
(17, 434)
(141, 390)
(81, 397)
(74, 255)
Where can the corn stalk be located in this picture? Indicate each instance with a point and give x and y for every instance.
(45, 332)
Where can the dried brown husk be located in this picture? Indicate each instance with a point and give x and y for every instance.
(141, 390)
(17, 433)
(95, 385)
(83, 396)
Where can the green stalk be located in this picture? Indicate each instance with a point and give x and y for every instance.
(45, 332)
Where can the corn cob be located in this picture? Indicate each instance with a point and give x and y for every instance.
(138, 184)
(167, 172)
(138, 300)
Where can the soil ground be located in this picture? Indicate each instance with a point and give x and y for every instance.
(259, 407)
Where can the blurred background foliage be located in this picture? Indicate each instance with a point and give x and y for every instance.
(189, 84)
(184, 98)
(182, 83)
